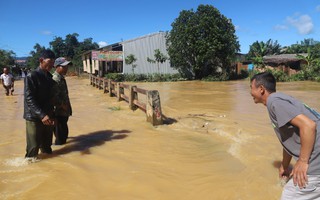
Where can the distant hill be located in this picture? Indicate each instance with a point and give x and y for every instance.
(21, 58)
(21, 61)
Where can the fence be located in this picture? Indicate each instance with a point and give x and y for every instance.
(132, 95)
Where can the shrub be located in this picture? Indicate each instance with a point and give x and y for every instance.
(115, 77)
(144, 77)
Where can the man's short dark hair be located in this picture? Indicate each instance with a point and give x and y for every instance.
(47, 54)
(266, 79)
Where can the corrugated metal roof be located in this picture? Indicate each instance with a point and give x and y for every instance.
(283, 58)
(142, 37)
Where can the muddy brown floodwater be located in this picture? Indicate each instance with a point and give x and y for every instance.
(218, 145)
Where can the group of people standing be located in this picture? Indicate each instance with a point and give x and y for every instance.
(47, 105)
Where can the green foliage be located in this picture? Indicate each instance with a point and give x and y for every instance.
(58, 46)
(115, 108)
(72, 49)
(33, 60)
(317, 78)
(298, 77)
(144, 77)
(130, 60)
(69, 47)
(279, 75)
(216, 77)
(135, 77)
(158, 58)
(115, 76)
(243, 74)
(309, 58)
(6, 59)
(300, 48)
(260, 49)
(202, 42)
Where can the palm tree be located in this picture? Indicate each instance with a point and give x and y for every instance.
(308, 58)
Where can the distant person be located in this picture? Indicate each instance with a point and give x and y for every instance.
(38, 106)
(62, 102)
(20, 72)
(7, 81)
(25, 71)
(23, 75)
(298, 129)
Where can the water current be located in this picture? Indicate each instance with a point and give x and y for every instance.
(216, 144)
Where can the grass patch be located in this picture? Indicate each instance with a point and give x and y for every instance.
(115, 108)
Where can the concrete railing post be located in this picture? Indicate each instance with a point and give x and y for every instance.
(104, 85)
(132, 96)
(119, 91)
(110, 88)
(153, 108)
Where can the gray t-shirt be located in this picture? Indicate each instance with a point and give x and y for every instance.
(282, 109)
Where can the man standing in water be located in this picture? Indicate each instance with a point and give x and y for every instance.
(298, 129)
(62, 102)
(7, 81)
(38, 106)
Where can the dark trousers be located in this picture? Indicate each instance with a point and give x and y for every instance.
(61, 130)
(39, 136)
(8, 89)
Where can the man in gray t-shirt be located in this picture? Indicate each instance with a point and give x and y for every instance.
(298, 129)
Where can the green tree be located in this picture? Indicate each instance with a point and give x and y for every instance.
(302, 47)
(33, 60)
(71, 43)
(158, 58)
(130, 60)
(260, 49)
(6, 58)
(201, 42)
(72, 49)
(86, 45)
(58, 47)
(308, 58)
(313, 63)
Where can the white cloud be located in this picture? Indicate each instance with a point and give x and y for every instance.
(46, 32)
(318, 8)
(302, 23)
(102, 44)
(279, 27)
(242, 29)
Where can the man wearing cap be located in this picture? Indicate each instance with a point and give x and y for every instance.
(62, 102)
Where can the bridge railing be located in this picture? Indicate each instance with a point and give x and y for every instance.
(138, 98)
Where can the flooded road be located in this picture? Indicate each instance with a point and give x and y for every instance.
(219, 145)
